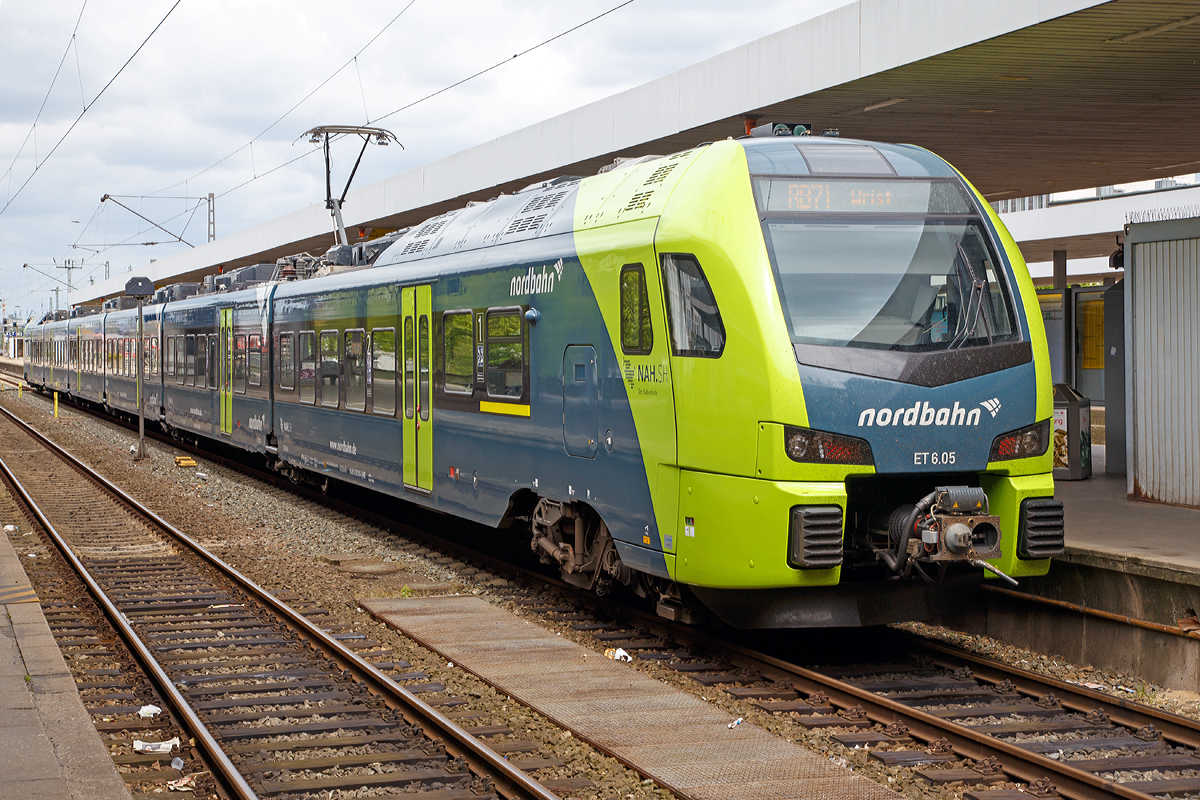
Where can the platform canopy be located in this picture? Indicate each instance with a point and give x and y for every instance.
(1026, 97)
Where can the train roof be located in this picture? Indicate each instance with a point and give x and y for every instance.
(827, 156)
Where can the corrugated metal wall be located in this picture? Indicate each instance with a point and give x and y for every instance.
(1165, 354)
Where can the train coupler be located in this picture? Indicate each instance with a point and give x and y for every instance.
(951, 523)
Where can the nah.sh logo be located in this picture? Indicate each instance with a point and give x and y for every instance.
(925, 414)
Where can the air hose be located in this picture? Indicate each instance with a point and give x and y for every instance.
(897, 561)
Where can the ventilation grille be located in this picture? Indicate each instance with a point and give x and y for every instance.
(639, 201)
(543, 201)
(430, 228)
(660, 173)
(815, 537)
(521, 224)
(1043, 531)
(414, 247)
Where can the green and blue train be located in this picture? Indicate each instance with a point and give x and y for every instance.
(787, 381)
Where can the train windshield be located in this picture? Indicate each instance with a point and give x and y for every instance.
(900, 265)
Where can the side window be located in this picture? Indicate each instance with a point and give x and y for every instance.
(505, 353)
(214, 360)
(423, 365)
(190, 355)
(154, 355)
(383, 371)
(410, 363)
(239, 363)
(180, 359)
(201, 360)
(356, 371)
(287, 363)
(329, 368)
(458, 350)
(170, 366)
(695, 320)
(254, 366)
(637, 335)
(308, 367)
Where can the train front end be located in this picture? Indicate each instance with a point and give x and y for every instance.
(919, 460)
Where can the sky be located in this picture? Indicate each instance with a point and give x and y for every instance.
(218, 98)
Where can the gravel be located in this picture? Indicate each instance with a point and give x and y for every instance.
(1111, 682)
(278, 541)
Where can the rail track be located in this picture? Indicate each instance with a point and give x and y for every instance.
(258, 699)
(948, 715)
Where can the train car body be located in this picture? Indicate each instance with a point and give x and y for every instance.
(798, 381)
(120, 359)
(88, 377)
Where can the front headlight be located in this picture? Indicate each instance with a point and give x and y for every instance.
(1026, 442)
(818, 447)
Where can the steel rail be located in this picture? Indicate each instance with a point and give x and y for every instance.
(232, 780)
(1179, 730)
(510, 781)
(1017, 762)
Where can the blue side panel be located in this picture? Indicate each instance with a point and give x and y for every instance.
(915, 428)
(353, 447)
(510, 453)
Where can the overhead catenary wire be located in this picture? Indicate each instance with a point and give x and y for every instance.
(429, 96)
(49, 89)
(63, 138)
(352, 60)
(498, 64)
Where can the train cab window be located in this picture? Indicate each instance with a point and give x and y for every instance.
(201, 358)
(330, 367)
(356, 371)
(505, 353)
(383, 371)
(308, 367)
(254, 362)
(410, 363)
(458, 352)
(214, 345)
(692, 313)
(637, 334)
(239, 363)
(190, 355)
(287, 363)
(423, 365)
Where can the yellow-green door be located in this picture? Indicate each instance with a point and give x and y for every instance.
(417, 336)
(226, 377)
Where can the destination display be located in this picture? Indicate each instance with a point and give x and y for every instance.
(861, 196)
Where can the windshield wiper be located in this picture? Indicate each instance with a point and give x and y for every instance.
(973, 309)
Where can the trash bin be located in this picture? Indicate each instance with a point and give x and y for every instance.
(1072, 434)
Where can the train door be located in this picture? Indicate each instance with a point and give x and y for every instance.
(581, 400)
(226, 369)
(416, 316)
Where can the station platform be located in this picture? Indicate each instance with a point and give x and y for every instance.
(1123, 596)
(51, 750)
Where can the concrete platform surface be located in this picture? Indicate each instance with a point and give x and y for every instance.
(1105, 529)
(681, 741)
(49, 749)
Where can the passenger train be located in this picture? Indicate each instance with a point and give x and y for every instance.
(782, 380)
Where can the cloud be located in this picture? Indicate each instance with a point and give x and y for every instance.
(219, 72)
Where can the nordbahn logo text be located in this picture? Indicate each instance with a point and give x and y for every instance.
(536, 282)
(925, 414)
